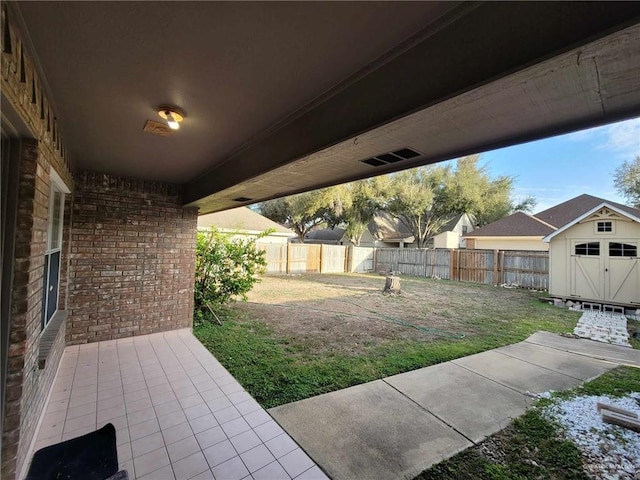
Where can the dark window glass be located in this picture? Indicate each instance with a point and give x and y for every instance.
(464, 229)
(605, 227)
(592, 248)
(622, 250)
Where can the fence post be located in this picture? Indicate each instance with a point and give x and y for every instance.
(375, 259)
(321, 256)
(348, 258)
(495, 267)
(502, 266)
(288, 258)
(426, 252)
(452, 267)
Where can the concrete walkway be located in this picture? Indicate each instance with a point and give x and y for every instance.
(400, 425)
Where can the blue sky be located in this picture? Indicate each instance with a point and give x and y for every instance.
(559, 168)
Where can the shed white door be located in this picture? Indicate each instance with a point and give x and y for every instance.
(622, 272)
(605, 270)
(587, 270)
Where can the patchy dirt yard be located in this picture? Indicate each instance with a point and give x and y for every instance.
(348, 313)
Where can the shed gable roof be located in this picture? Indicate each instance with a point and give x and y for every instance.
(634, 215)
(568, 211)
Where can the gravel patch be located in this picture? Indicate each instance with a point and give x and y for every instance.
(610, 452)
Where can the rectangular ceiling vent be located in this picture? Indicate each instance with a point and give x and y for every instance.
(392, 157)
(241, 199)
(374, 162)
(407, 153)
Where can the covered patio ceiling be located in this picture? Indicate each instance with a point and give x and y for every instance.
(283, 97)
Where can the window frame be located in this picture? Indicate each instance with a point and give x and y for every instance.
(605, 223)
(53, 243)
(621, 247)
(589, 247)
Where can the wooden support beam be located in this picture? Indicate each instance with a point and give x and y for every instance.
(621, 420)
(605, 406)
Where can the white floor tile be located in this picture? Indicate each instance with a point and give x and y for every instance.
(232, 469)
(256, 458)
(177, 412)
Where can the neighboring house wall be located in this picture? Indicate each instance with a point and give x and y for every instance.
(244, 235)
(507, 243)
(596, 277)
(244, 222)
(133, 259)
(446, 240)
(273, 238)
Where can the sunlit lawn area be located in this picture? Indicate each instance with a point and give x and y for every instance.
(300, 336)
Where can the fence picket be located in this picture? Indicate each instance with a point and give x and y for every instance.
(528, 269)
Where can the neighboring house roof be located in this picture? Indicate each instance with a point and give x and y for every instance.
(453, 222)
(384, 227)
(327, 234)
(388, 228)
(571, 209)
(634, 215)
(518, 224)
(550, 220)
(242, 219)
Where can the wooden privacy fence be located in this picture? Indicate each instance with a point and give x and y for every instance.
(528, 269)
(312, 258)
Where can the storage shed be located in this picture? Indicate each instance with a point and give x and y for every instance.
(595, 256)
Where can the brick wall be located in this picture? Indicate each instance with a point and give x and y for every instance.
(27, 386)
(132, 259)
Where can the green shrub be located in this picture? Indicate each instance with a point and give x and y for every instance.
(227, 267)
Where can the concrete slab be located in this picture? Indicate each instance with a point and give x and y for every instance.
(602, 351)
(577, 366)
(474, 405)
(368, 431)
(517, 374)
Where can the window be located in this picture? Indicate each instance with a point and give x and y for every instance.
(464, 229)
(605, 227)
(53, 251)
(622, 250)
(591, 248)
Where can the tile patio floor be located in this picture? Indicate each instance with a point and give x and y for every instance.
(178, 413)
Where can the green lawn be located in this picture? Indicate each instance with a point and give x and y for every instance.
(259, 343)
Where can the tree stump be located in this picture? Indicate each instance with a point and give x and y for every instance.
(392, 285)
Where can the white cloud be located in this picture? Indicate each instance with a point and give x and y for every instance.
(623, 138)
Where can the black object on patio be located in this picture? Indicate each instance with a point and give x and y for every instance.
(90, 457)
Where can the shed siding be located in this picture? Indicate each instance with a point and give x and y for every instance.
(560, 248)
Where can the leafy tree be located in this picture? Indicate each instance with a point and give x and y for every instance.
(626, 179)
(354, 205)
(411, 197)
(470, 189)
(526, 204)
(226, 266)
(424, 199)
(301, 212)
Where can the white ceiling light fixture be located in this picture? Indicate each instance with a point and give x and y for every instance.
(172, 115)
